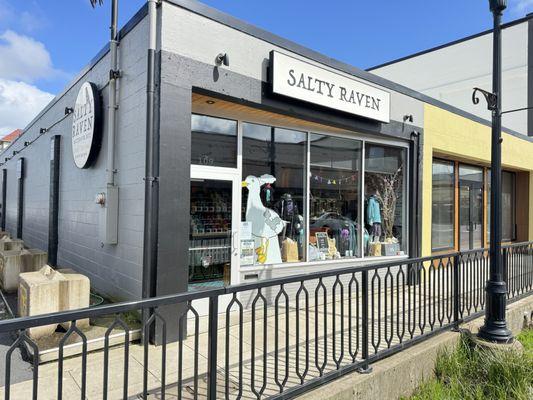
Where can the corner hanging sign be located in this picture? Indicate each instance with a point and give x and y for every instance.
(301, 80)
(86, 126)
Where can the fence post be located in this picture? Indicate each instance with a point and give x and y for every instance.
(212, 348)
(505, 261)
(456, 294)
(366, 368)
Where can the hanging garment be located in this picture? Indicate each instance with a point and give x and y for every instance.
(373, 211)
(267, 195)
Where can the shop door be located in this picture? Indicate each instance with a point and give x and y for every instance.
(213, 232)
(470, 207)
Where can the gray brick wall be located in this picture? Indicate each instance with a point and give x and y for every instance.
(114, 270)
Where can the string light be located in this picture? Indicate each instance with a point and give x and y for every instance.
(42, 131)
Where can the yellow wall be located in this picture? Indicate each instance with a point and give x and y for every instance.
(449, 134)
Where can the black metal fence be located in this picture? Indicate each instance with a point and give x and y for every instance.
(269, 339)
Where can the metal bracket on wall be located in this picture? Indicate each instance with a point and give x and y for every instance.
(114, 74)
(152, 179)
(492, 98)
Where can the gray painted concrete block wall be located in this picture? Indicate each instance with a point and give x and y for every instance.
(114, 270)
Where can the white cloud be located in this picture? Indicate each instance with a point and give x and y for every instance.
(521, 6)
(19, 104)
(23, 58)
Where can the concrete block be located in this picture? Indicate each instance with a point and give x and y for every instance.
(6, 244)
(39, 294)
(74, 293)
(10, 268)
(33, 260)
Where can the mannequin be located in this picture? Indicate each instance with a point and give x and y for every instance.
(373, 213)
(288, 211)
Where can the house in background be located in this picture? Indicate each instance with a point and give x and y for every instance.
(6, 141)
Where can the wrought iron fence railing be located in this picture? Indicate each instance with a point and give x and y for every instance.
(268, 339)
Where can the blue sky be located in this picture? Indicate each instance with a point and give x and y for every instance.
(43, 44)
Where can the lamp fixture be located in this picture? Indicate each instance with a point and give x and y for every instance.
(42, 131)
(497, 5)
(68, 110)
(222, 58)
(408, 118)
(210, 102)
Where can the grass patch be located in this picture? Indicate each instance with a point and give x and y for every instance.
(466, 373)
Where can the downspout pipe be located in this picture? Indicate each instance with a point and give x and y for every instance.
(114, 75)
(151, 182)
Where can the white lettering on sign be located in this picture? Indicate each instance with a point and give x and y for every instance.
(301, 80)
(84, 120)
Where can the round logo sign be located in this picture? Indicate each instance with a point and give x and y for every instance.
(86, 129)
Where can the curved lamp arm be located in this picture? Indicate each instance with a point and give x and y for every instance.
(491, 98)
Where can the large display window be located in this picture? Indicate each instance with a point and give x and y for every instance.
(273, 171)
(334, 182)
(307, 196)
(385, 200)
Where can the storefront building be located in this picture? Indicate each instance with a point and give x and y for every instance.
(456, 182)
(271, 160)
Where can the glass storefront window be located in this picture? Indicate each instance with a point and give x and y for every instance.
(273, 206)
(213, 141)
(280, 168)
(508, 206)
(334, 182)
(442, 207)
(385, 200)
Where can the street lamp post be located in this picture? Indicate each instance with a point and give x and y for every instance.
(495, 326)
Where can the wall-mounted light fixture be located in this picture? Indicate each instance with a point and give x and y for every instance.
(42, 131)
(26, 144)
(210, 102)
(222, 58)
(408, 118)
(68, 110)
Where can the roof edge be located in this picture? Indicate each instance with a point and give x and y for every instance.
(452, 43)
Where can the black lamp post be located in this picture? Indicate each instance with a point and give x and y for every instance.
(495, 326)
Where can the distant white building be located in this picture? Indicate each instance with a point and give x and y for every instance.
(6, 141)
(449, 72)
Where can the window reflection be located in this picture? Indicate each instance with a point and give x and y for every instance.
(334, 181)
(213, 141)
(443, 211)
(385, 200)
(273, 193)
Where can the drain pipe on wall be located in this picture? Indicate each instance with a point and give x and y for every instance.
(114, 75)
(108, 201)
(151, 198)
